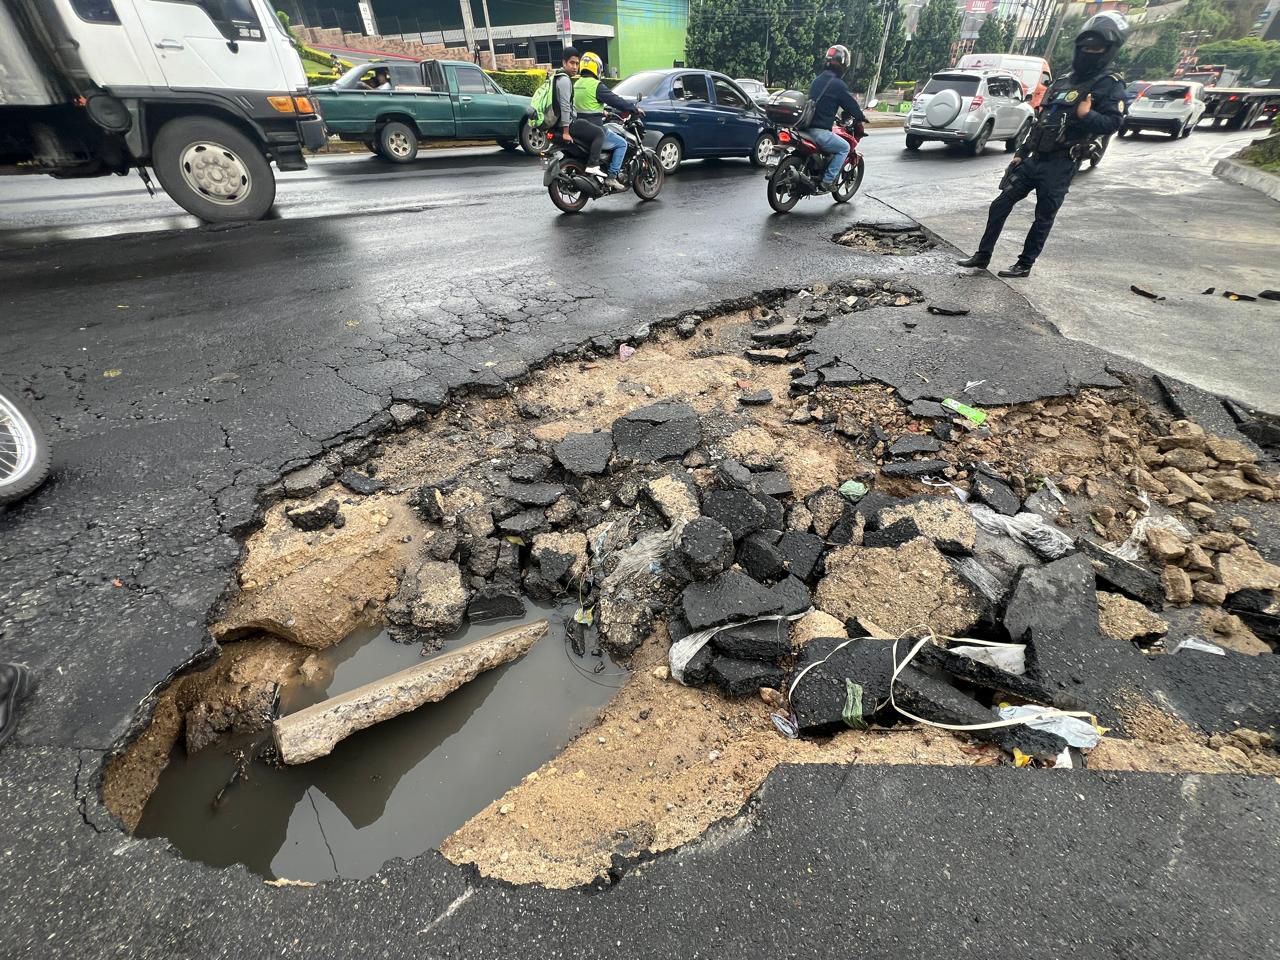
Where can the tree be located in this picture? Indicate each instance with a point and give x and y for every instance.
(990, 36)
(936, 34)
(1010, 27)
(1252, 56)
(1064, 50)
(1161, 57)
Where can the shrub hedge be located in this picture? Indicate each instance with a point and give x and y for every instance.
(521, 83)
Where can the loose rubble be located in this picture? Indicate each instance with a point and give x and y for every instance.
(789, 554)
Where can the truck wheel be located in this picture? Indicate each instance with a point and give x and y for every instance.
(212, 170)
(533, 140)
(397, 142)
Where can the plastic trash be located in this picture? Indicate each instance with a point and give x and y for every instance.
(972, 414)
(644, 556)
(973, 384)
(785, 726)
(1075, 730)
(1192, 643)
(1029, 528)
(626, 352)
(1011, 658)
(853, 489)
(1064, 760)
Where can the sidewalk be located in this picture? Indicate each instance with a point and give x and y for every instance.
(1160, 221)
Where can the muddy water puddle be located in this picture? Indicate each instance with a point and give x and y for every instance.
(394, 790)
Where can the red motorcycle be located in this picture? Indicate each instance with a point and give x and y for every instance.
(800, 164)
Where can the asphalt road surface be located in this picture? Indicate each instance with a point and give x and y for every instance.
(182, 369)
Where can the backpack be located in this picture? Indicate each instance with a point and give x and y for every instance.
(544, 102)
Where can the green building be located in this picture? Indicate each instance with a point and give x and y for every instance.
(630, 35)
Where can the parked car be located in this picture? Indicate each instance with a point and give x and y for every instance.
(698, 113)
(1173, 106)
(756, 90)
(425, 100)
(1032, 72)
(970, 107)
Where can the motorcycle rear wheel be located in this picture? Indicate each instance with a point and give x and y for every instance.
(562, 195)
(649, 179)
(785, 190)
(24, 452)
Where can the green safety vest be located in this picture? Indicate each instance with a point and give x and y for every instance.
(584, 95)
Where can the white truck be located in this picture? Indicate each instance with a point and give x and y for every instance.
(207, 93)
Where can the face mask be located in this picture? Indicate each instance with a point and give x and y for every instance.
(1087, 64)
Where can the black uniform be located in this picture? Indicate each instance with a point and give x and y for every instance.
(1050, 156)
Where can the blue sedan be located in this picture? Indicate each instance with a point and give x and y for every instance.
(699, 113)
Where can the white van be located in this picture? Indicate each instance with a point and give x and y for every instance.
(1033, 72)
(207, 93)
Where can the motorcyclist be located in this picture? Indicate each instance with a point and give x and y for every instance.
(572, 128)
(1087, 102)
(829, 95)
(590, 96)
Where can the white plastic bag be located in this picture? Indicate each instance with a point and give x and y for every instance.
(1046, 540)
(682, 651)
(1204, 646)
(1011, 657)
(1077, 732)
(1136, 546)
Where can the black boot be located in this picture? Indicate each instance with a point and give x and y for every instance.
(980, 260)
(1019, 269)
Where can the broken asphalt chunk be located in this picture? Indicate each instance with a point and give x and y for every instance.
(785, 334)
(585, 454)
(315, 517)
(307, 481)
(1144, 293)
(760, 557)
(729, 597)
(706, 548)
(894, 535)
(495, 601)
(914, 468)
(1121, 576)
(534, 494)
(662, 431)
(741, 512)
(767, 640)
(743, 678)
(359, 483)
(995, 493)
(801, 552)
(913, 443)
(943, 309)
(845, 683)
(927, 408)
(771, 355)
(759, 398)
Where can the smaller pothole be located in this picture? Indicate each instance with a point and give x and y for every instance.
(885, 242)
(394, 790)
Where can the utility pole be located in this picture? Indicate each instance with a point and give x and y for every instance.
(488, 30)
(1057, 29)
(468, 24)
(890, 12)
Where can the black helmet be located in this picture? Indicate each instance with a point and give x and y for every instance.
(1105, 30)
(837, 58)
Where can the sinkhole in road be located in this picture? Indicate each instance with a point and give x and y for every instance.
(394, 790)
(885, 242)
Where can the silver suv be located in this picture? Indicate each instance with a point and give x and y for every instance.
(970, 107)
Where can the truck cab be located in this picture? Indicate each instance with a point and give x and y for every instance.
(207, 93)
(393, 105)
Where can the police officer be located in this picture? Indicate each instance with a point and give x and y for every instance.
(1088, 102)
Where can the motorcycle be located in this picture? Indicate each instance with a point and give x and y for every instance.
(571, 187)
(24, 453)
(800, 164)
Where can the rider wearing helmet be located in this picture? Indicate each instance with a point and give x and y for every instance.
(590, 96)
(1087, 102)
(829, 94)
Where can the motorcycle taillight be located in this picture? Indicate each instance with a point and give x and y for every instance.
(784, 137)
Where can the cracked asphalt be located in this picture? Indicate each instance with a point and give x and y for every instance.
(181, 371)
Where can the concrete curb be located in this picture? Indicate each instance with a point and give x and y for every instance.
(1233, 171)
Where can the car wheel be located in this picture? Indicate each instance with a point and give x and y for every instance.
(914, 142)
(508, 145)
(670, 154)
(533, 140)
(1010, 146)
(213, 171)
(979, 143)
(762, 151)
(398, 142)
(1187, 128)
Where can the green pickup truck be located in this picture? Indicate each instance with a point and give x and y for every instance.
(392, 105)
